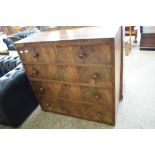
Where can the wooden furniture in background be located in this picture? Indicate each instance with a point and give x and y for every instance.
(76, 72)
(13, 29)
(147, 40)
(129, 32)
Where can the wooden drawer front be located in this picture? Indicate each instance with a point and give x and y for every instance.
(96, 95)
(89, 75)
(38, 55)
(85, 54)
(51, 72)
(95, 75)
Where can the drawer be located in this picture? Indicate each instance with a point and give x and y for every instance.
(95, 75)
(38, 55)
(88, 75)
(85, 54)
(52, 72)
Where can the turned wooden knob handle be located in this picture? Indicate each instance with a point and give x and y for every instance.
(34, 72)
(47, 104)
(97, 96)
(95, 76)
(82, 54)
(41, 89)
(35, 54)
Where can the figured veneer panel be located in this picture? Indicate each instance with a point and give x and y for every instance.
(95, 94)
(85, 54)
(95, 75)
(45, 54)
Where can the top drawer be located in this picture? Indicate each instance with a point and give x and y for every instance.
(72, 54)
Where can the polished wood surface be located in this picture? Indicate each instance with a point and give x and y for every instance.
(55, 28)
(71, 35)
(80, 78)
(147, 40)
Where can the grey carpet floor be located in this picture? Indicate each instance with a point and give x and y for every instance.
(135, 111)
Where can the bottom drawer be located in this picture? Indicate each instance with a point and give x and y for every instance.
(100, 112)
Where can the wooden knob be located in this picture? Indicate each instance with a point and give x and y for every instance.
(97, 96)
(35, 54)
(82, 54)
(35, 72)
(42, 89)
(48, 104)
(95, 76)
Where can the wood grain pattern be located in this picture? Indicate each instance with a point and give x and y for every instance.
(147, 39)
(86, 54)
(90, 75)
(38, 54)
(88, 33)
(78, 73)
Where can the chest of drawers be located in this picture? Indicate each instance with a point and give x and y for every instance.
(76, 72)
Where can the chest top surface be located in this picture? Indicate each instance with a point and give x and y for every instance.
(72, 34)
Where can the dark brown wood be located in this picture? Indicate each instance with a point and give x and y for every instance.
(78, 73)
(147, 40)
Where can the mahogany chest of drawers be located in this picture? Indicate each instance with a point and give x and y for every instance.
(76, 72)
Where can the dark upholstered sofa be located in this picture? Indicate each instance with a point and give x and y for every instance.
(9, 40)
(17, 99)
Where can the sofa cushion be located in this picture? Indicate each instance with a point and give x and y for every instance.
(23, 34)
(26, 33)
